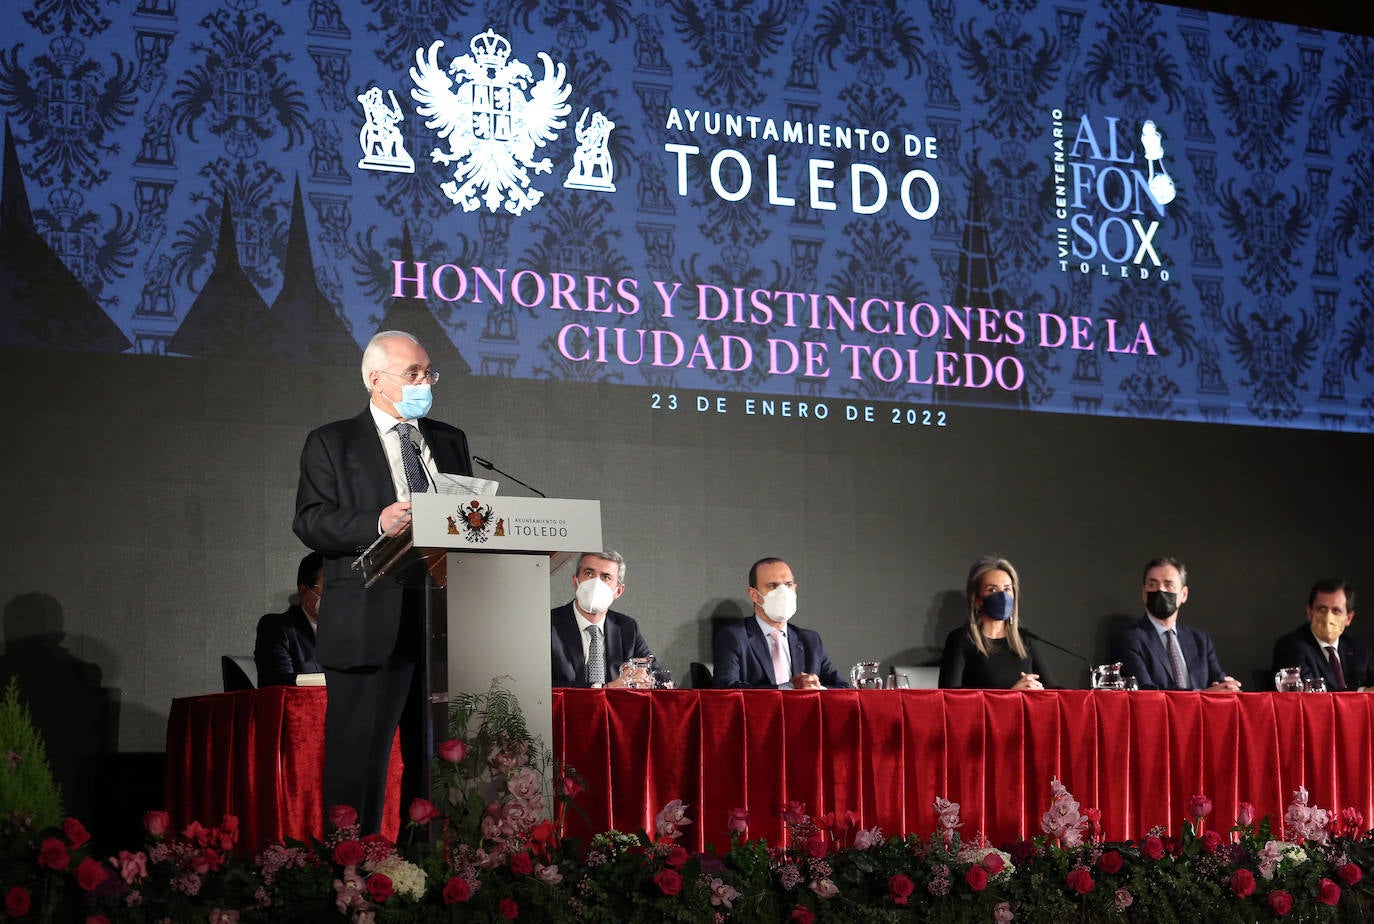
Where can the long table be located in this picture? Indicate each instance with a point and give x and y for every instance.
(1139, 757)
(885, 755)
(257, 755)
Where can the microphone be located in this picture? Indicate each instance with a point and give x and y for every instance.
(1040, 638)
(492, 468)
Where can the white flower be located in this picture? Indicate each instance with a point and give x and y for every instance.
(406, 878)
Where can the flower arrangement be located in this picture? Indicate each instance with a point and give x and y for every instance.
(492, 851)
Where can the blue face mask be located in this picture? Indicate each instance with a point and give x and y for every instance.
(415, 402)
(998, 605)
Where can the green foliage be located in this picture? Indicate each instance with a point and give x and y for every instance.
(27, 788)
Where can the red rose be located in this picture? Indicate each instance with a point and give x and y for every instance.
(52, 853)
(1328, 893)
(993, 862)
(379, 887)
(669, 882)
(457, 890)
(422, 811)
(1243, 883)
(17, 902)
(156, 823)
(1211, 840)
(76, 832)
(571, 788)
(677, 857)
(97, 919)
(521, 864)
(1080, 879)
(977, 878)
(1280, 902)
(343, 816)
(816, 847)
(899, 889)
(89, 873)
(510, 909)
(1152, 848)
(348, 853)
(802, 915)
(1349, 873)
(453, 750)
(1110, 862)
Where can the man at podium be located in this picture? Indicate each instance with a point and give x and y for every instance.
(589, 639)
(357, 477)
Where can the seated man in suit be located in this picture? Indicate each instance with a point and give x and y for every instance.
(1160, 653)
(1317, 648)
(764, 650)
(286, 641)
(589, 639)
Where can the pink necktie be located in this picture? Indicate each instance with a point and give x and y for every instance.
(781, 672)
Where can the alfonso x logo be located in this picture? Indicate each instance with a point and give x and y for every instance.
(1111, 189)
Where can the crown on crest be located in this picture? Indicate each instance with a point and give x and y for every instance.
(490, 49)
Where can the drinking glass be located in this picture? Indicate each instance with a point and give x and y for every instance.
(897, 681)
(1288, 680)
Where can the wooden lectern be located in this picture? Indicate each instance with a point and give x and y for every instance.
(486, 562)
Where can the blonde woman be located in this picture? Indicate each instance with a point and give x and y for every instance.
(990, 653)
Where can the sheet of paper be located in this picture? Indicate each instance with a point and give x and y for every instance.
(464, 484)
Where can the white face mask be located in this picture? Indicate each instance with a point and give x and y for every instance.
(780, 603)
(594, 596)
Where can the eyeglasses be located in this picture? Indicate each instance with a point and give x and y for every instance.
(415, 376)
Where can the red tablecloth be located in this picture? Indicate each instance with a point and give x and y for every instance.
(1139, 757)
(258, 755)
(887, 755)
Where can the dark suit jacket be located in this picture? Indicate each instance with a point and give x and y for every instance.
(742, 659)
(1300, 649)
(1142, 655)
(620, 635)
(285, 648)
(345, 483)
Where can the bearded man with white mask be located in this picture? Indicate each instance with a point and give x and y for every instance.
(766, 651)
(589, 639)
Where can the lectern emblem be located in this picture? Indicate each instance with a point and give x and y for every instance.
(474, 522)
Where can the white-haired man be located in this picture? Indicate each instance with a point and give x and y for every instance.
(357, 476)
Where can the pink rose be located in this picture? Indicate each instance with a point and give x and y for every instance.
(348, 853)
(1211, 840)
(52, 853)
(453, 750)
(669, 881)
(17, 901)
(1152, 848)
(993, 862)
(89, 874)
(510, 909)
(794, 813)
(1243, 883)
(1200, 806)
(1328, 893)
(1002, 914)
(379, 887)
(899, 889)
(75, 831)
(1080, 880)
(521, 864)
(1110, 862)
(1280, 902)
(343, 816)
(737, 821)
(457, 890)
(1123, 899)
(157, 822)
(571, 788)
(1245, 814)
(676, 857)
(1350, 873)
(422, 811)
(977, 878)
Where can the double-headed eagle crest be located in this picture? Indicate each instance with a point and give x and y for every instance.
(494, 116)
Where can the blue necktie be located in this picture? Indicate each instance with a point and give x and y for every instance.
(410, 460)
